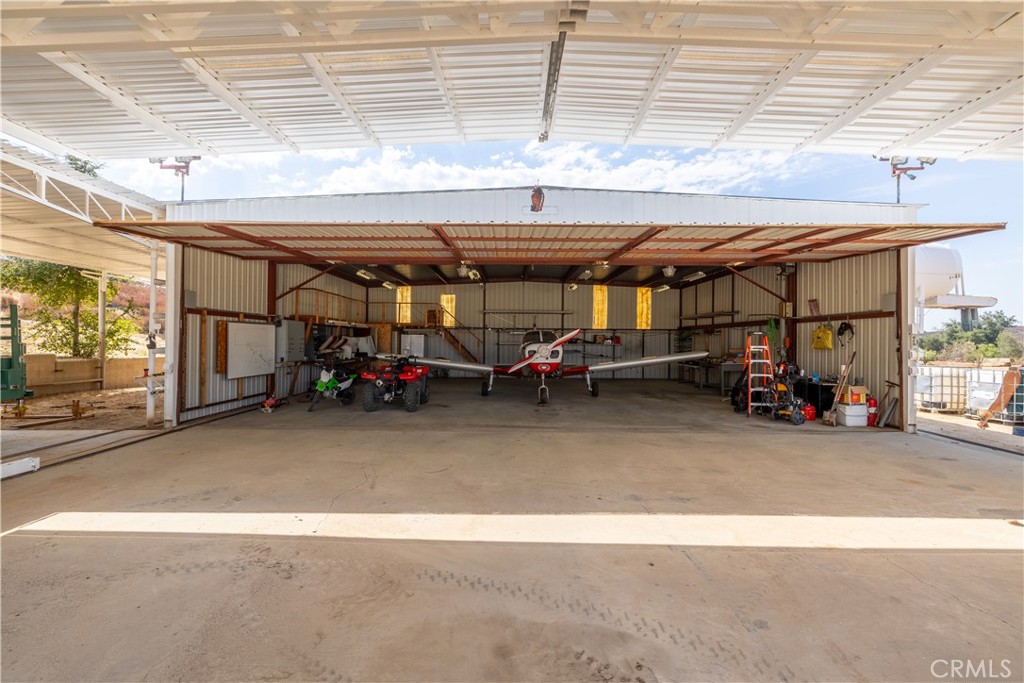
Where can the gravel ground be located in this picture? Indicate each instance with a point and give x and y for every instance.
(111, 409)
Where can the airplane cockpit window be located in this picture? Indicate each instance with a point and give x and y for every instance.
(539, 337)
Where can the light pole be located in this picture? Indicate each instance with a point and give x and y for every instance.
(899, 169)
(180, 167)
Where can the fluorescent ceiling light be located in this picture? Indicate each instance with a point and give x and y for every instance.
(573, 287)
(366, 275)
(389, 285)
(585, 275)
(694, 276)
(662, 288)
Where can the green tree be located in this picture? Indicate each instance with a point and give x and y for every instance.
(990, 325)
(89, 168)
(65, 295)
(962, 351)
(1009, 346)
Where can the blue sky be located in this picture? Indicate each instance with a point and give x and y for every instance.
(954, 192)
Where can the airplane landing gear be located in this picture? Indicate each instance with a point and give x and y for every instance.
(591, 385)
(542, 392)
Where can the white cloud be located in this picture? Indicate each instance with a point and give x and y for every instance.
(570, 164)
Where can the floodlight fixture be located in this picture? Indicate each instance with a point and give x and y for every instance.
(898, 161)
(474, 274)
(463, 270)
(572, 287)
(927, 161)
(668, 271)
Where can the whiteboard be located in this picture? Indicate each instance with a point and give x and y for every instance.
(250, 349)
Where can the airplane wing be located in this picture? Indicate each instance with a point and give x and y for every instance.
(613, 365)
(448, 364)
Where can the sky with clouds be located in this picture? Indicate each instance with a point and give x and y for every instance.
(952, 192)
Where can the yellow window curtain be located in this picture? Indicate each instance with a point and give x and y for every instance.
(643, 308)
(403, 304)
(448, 310)
(600, 307)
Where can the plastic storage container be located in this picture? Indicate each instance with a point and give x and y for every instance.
(941, 388)
(853, 415)
(983, 385)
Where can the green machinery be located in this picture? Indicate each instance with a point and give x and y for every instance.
(12, 368)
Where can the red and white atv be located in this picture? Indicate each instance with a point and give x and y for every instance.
(400, 380)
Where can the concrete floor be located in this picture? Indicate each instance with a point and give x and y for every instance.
(94, 603)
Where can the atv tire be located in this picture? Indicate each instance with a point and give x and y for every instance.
(411, 398)
(370, 399)
(424, 392)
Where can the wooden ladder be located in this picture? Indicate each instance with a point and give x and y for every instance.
(757, 361)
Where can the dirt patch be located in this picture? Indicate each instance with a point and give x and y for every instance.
(110, 409)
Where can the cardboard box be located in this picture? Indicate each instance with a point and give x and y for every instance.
(855, 394)
(853, 415)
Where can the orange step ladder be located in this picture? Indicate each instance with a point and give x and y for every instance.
(757, 361)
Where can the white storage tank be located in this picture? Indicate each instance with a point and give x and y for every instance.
(940, 388)
(938, 270)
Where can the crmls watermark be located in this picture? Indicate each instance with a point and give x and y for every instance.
(971, 669)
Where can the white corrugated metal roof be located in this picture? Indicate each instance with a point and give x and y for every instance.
(111, 79)
(48, 210)
(419, 236)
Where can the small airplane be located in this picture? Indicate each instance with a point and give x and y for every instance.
(542, 356)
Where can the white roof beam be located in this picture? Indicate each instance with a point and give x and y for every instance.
(946, 121)
(444, 85)
(74, 67)
(205, 75)
(16, 130)
(660, 74)
(328, 84)
(896, 83)
(207, 78)
(780, 81)
(1008, 140)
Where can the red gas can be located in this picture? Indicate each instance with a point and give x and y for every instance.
(810, 413)
(872, 411)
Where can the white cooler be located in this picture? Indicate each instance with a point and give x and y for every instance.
(853, 415)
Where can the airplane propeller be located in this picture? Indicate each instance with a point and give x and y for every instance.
(543, 353)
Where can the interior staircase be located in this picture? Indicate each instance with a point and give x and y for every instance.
(450, 337)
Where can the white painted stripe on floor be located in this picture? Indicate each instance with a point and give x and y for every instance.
(761, 531)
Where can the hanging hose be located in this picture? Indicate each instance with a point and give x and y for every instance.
(772, 333)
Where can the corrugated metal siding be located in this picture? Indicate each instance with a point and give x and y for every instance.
(219, 389)
(847, 286)
(224, 282)
(562, 205)
(875, 344)
(535, 298)
(382, 305)
(621, 308)
(754, 302)
(311, 302)
(665, 310)
(853, 284)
